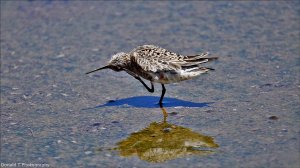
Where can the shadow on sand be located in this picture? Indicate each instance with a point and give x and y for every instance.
(151, 102)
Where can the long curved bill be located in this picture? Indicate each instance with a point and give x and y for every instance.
(105, 67)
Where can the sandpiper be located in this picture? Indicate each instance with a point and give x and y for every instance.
(158, 65)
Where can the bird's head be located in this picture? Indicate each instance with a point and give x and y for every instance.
(116, 63)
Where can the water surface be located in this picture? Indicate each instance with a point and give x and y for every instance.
(243, 114)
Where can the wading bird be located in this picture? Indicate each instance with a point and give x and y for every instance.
(158, 65)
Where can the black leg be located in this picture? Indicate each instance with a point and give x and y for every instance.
(162, 94)
(152, 87)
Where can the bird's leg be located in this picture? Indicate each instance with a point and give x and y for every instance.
(147, 87)
(138, 78)
(162, 94)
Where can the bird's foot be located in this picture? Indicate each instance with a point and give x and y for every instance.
(160, 104)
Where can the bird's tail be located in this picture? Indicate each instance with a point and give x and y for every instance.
(199, 57)
(193, 62)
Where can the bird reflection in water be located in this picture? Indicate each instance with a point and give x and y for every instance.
(162, 141)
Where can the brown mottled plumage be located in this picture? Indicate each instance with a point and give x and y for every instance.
(158, 65)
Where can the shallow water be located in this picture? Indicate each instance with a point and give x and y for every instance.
(243, 114)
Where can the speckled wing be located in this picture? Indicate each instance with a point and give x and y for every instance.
(154, 59)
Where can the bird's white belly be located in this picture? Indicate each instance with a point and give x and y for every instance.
(172, 77)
